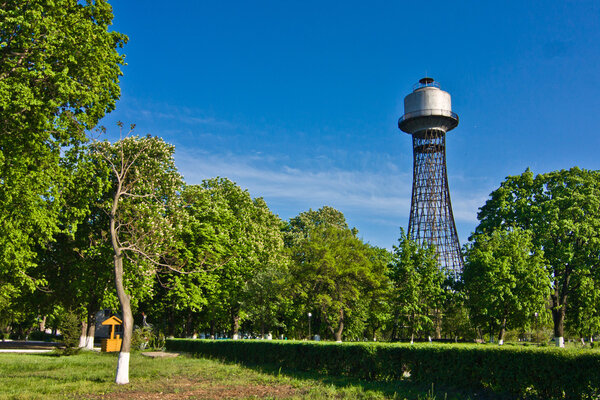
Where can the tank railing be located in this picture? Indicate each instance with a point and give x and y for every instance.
(428, 112)
(420, 85)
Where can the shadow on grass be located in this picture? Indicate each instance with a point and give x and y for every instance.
(390, 389)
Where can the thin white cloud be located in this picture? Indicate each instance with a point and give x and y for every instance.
(382, 194)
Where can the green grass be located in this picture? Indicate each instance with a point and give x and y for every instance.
(90, 375)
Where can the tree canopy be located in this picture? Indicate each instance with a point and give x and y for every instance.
(562, 211)
(59, 74)
(143, 213)
(418, 286)
(505, 281)
(332, 269)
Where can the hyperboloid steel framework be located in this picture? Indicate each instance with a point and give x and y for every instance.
(428, 116)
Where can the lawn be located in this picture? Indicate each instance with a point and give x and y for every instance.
(90, 375)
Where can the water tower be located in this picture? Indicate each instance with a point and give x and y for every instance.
(427, 117)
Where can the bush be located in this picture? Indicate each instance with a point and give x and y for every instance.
(70, 328)
(146, 339)
(526, 372)
(44, 337)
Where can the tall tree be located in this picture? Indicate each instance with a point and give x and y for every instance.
(59, 74)
(584, 307)
(505, 280)
(239, 240)
(419, 286)
(332, 269)
(562, 210)
(143, 217)
(379, 308)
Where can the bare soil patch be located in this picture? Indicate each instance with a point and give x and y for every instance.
(185, 388)
(159, 354)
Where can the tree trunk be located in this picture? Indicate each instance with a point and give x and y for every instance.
(91, 327)
(83, 336)
(438, 324)
(394, 335)
(43, 324)
(558, 317)
(212, 329)
(170, 324)
(337, 335)
(235, 324)
(412, 328)
(189, 329)
(502, 332)
(123, 363)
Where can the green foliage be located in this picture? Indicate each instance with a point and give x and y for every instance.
(505, 281)
(88, 375)
(332, 270)
(59, 74)
(418, 286)
(70, 329)
(146, 338)
(232, 248)
(526, 372)
(144, 215)
(562, 211)
(44, 337)
(584, 312)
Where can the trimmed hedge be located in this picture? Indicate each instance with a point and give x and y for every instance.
(526, 372)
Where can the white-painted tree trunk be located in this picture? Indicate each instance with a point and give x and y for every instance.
(89, 343)
(123, 369)
(560, 341)
(82, 340)
(500, 342)
(235, 336)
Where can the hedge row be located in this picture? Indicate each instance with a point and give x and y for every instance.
(526, 372)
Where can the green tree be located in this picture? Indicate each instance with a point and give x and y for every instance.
(505, 281)
(332, 269)
(456, 321)
(73, 264)
(562, 210)
(419, 287)
(239, 241)
(379, 308)
(583, 309)
(143, 217)
(59, 74)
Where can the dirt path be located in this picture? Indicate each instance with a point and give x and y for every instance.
(185, 388)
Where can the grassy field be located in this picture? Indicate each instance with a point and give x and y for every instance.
(90, 375)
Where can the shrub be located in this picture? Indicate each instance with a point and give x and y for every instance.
(70, 328)
(145, 338)
(526, 372)
(43, 336)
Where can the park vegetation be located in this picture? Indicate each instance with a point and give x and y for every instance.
(522, 372)
(81, 217)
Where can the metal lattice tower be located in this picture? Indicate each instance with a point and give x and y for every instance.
(427, 117)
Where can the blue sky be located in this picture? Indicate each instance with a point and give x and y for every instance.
(298, 102)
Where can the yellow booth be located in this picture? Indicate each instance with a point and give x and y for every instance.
(114, 343)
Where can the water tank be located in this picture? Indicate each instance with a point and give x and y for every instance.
(427, 107)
